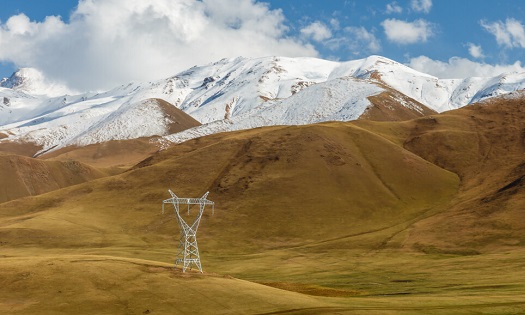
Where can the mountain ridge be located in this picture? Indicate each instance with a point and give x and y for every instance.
(32, 81)
(240, 93)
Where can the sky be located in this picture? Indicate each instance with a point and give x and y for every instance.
(99, 44)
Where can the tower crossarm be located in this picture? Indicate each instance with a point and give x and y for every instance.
(189, 201)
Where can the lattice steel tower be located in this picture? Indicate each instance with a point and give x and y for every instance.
(189, 251)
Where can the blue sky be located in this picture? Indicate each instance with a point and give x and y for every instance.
(453, 24)
(96, 44)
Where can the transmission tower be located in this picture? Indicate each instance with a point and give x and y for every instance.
(189, 251)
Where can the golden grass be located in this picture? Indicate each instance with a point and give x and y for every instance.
(23, 176)
(114, 156)
(69, 284)
(75, 281)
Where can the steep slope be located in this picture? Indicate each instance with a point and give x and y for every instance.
(252, 165)
(485, 145)
(23, 176)
(394, 106)
(16, 105)
(488, 151)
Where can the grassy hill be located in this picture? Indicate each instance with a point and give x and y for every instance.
(360, 217)
(485, 145)
(23, 176)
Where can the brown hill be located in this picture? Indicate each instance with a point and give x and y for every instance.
(23, 176)
(392, 105)
(295, 184)
(485, 145)
(114, 156)
(19, 148)
(180, 121)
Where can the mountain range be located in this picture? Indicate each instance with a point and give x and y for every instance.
(231, 94)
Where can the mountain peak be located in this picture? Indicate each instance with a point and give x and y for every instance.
(32, 81)
(22, 78)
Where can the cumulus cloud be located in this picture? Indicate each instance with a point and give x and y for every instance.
(402, 32)
(458, 68)
(317, 30)
(510, 33)
(421, 5)
(475, 50)
(393, 8)
(336, 25)
(109, 42)
(361, 37)
(355, 40)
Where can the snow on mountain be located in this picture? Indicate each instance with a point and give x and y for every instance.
(32, 81)
(93, 121)
(130, 120)
(229, 88)
(231, 94)
(225, 89)
(339, 99)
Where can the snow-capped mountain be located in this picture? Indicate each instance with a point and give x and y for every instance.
(32, 81)
(233, 94)
(341, 99)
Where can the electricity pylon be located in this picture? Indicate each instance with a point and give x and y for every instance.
(189, 251)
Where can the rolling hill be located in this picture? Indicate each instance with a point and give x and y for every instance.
(22, 176)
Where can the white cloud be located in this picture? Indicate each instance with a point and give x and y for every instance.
(335, 24)
(20, 25)
(475, 50)
(402, 32)
(109, 42)
(421, 5)
(358, 41)
(393, 8)
(458, 68)
(363, 38)
(317, 30)
(510, 33)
